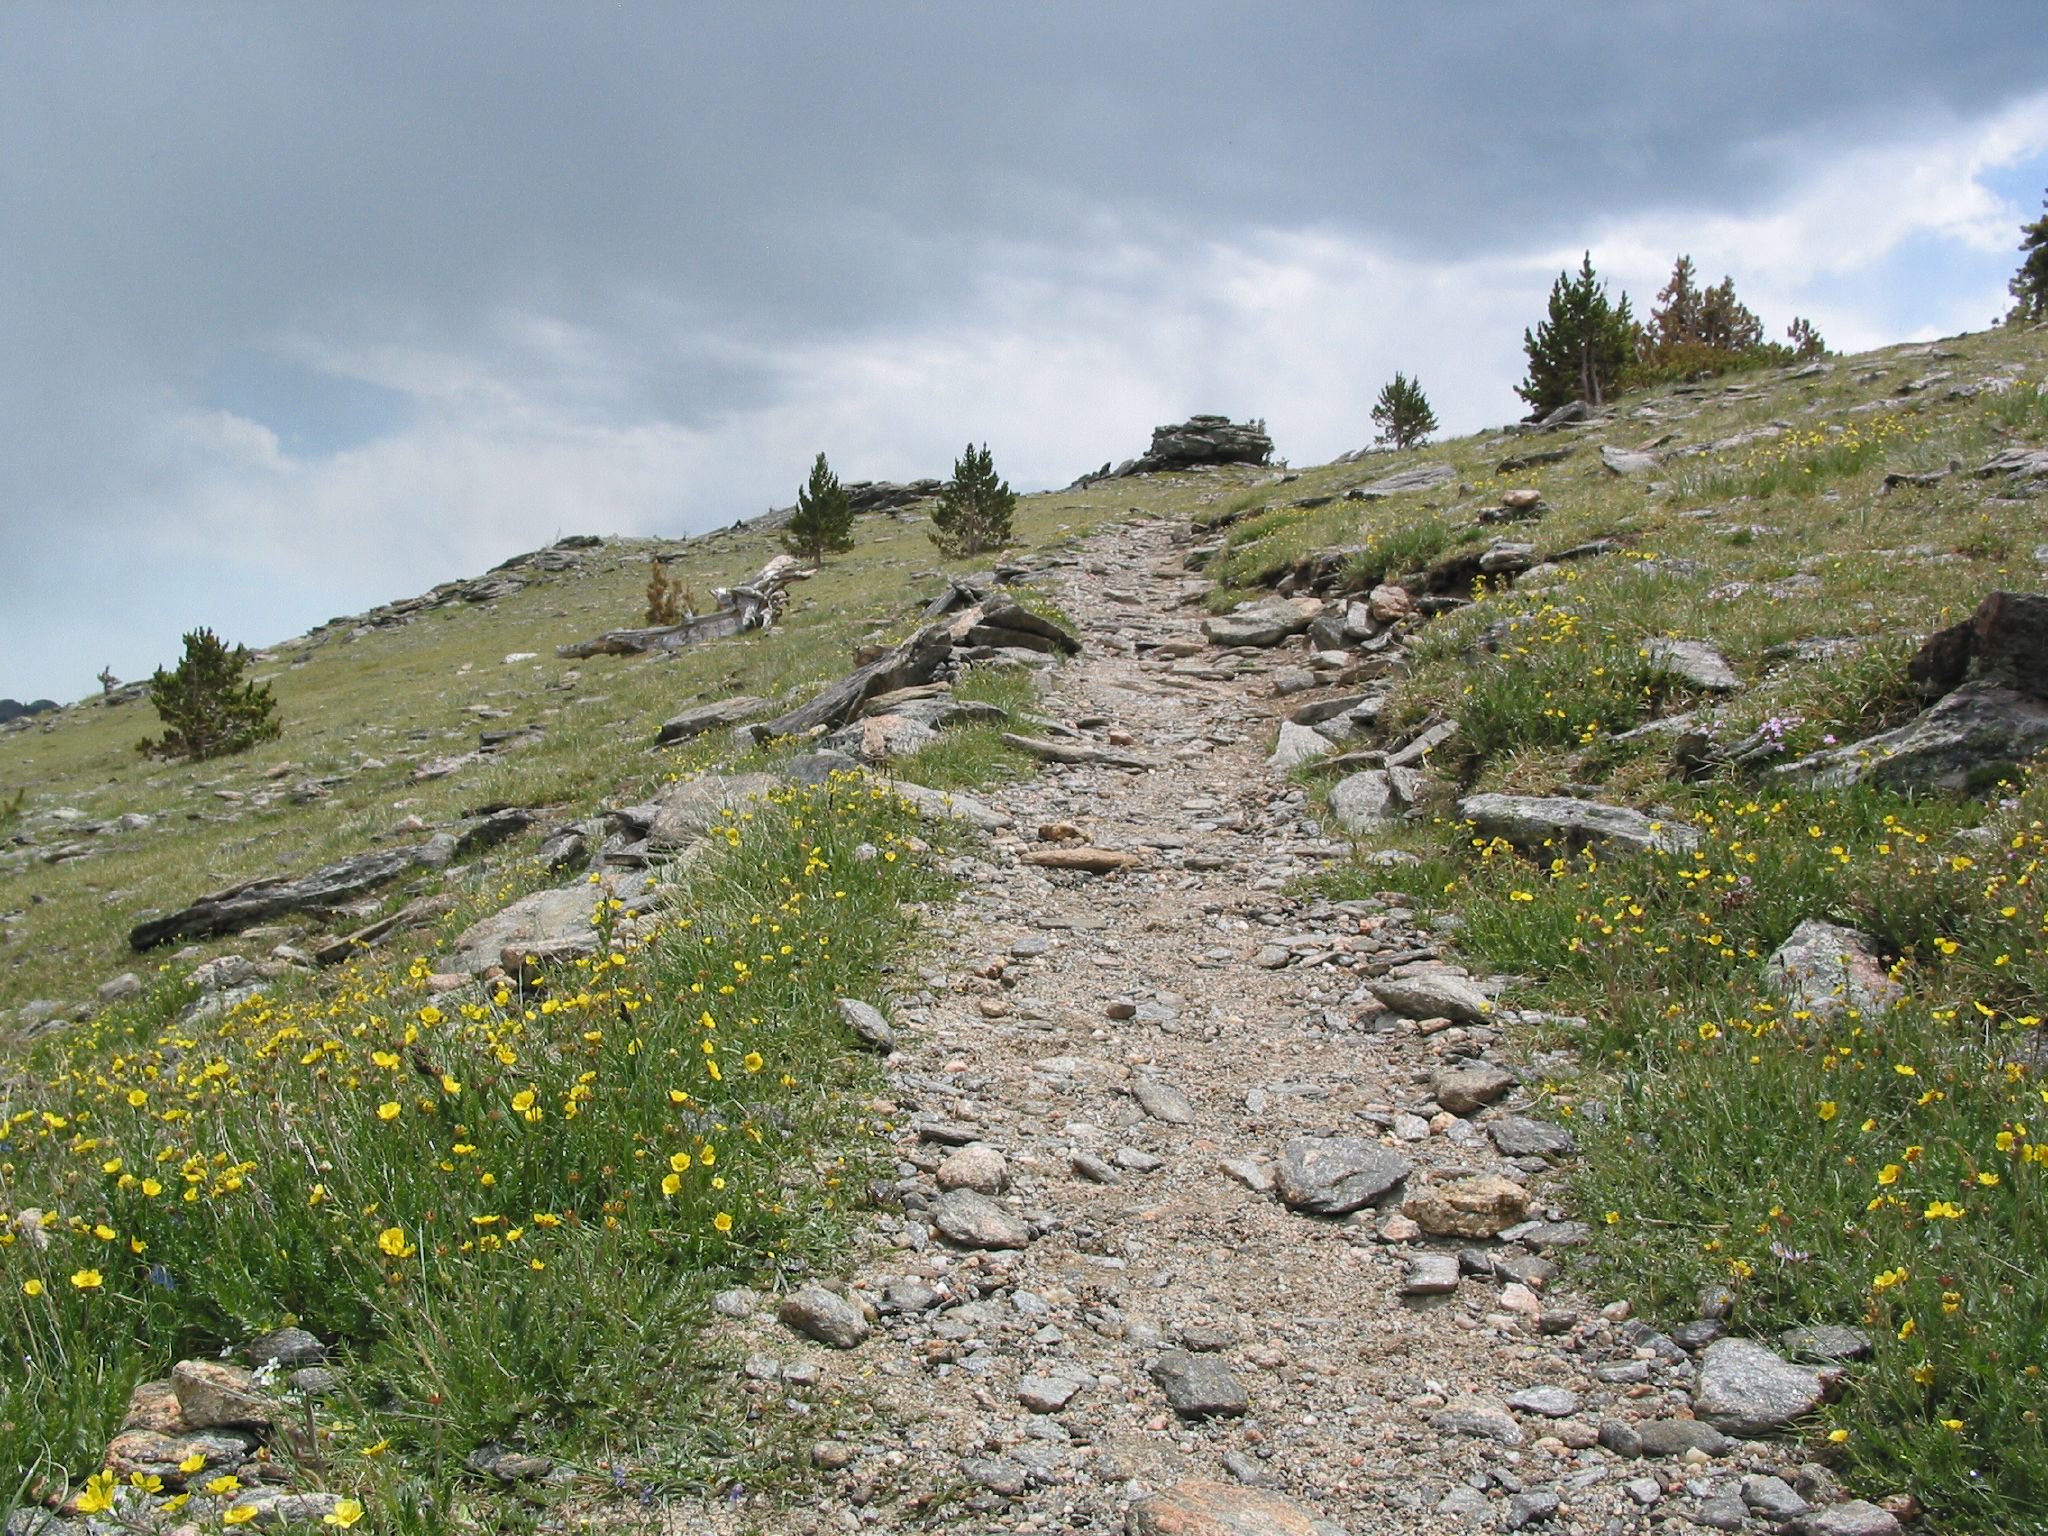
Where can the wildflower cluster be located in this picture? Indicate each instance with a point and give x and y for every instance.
(363, 1159)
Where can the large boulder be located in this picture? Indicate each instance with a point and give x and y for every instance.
(1556, 824)
(1203, 440)
(1988, 678)
(1975, 734)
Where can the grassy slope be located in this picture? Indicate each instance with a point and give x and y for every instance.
(507, 1207)
(1881, 1171)
(400, 696)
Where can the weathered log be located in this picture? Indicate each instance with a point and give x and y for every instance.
(753, 604)
(917, 660)
(1089, 860)
(244, 906)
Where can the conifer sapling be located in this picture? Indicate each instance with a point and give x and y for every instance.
(823, 521)
(1403, 413)
(973, 512)
(206, 708)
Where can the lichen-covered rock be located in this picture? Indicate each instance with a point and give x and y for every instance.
(1745, 1389)
(214, 1395)
(1335, 1175)
(1476, 1206)
(1827, 969)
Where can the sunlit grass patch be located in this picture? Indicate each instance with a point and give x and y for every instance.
(507, 1204)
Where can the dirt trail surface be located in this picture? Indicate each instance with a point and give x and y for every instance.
(1087, 1295)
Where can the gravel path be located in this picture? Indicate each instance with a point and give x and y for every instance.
(1087, 1290)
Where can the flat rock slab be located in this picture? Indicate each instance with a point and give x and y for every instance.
(1519, 1136)
(1626, 462)
(1826, 1344)
(1431, 1274)
(1559, 824)
(1482, 1418)
(971, 1220)
(1423, 477)
(1263, 624)
(548, 925)
(1163, 1102)
(1335, 1175)
(1694, 662)
(949, 805)
(1091, 861)
(1433, 995)
(1854, 1518)
(686, 811)
(155, 1454)
(1198, 1386)
(1046, 1394)
(1549, 1402)
(1747, 1390)
(1218, 1509)
(722, 714)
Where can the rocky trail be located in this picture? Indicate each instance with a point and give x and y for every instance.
(1219, 1210)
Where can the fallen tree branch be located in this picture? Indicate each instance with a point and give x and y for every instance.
(754, 604)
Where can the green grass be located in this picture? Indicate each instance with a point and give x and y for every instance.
(507, 1206)
(582, 1337)
(1885, 1171)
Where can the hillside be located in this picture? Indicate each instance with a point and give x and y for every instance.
(1425, 828)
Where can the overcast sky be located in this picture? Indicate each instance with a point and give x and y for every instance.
(304, 308)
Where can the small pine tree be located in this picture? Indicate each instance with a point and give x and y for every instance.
(2029, 285)
(1579, 350)
(823, 523)
(1726, 323)
(206, 708)
(1403, 414)
(669, 602)
(972, 514)
(1805, 339)
(1675, 317)
(1687, 316)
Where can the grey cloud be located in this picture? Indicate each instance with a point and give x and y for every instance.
(636, 215)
